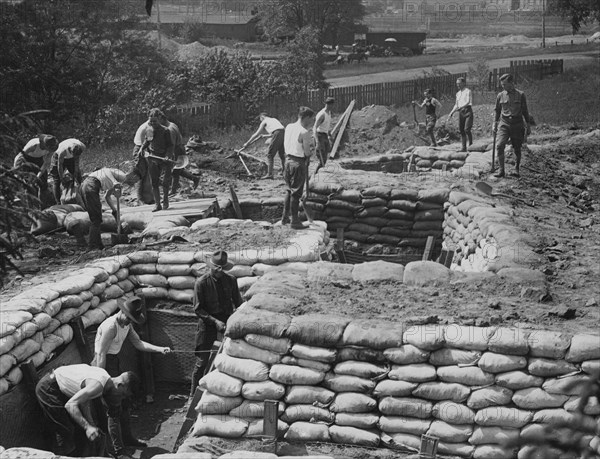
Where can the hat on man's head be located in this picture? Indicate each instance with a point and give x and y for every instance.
(219, 260)
(132, 308)
(48, 142)
(507, 77)
(329, 100)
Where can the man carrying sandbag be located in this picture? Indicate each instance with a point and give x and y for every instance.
(110, 336)
(216, 297)
(66, 158)
(38, 152)
(64, 396)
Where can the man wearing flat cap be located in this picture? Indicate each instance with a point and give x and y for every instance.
(38, 152)
(322, 131)
(110, 337)
(511, 121)
(216, 297)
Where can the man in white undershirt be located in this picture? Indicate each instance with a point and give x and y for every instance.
(464, 106)
(322, 131)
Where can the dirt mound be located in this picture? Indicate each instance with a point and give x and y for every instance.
(374, 117)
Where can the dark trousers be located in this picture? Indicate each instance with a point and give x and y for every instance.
(294, 176)
(156, 168)
(430, 121)
(323, 147)
(68, 164)
(276, 147)
(515, 132)
(465, 123)
(88, 197)
(206, 335)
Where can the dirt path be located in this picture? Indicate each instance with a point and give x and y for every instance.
(570, 60)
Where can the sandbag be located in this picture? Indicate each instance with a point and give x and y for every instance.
(583, 347)
(442, 391)
(500, 363)
(93, 317)
(455, 449)
(511, 341)
(560, 418)
(570, 385)
(354, 436)
(322, 330)
(108, 307)
(7, 343)
(70, 301)
(27, 330)
(280, 346)
(245, 369)
(438, 195)
(448, 356)
(7, 362)
(356, 236)
(51, 342)
(345, 383)
(4, 386)
(305, 363)
(219, 426)
(52, 327)
(152, 292)
(255, 321)
(400, 424)
(300, 395)
(313, 353)
(221, 384)
(360, 353)
(180, 282)
(502, 416)
(453, 413)
(468, 337)
(43, 292)
(372, 212)
(358, 420)
(416, 372)
(52, 307)
(455, 433)
(25, 349)
(493, 435)
(256, 429)
(263, 390)
(591, 366)
(181, 296)
(253, 409)
(173, 270)
(65, 332)
(391, 388)
(307, 413)
(126, 285)
(549, 344)
(143, 268)
(74, 284)
(243, 350)
(361, 369)
(489, 396)
(428, 337)
(307, 432)
(374, 334)
(516, 380)
(406, 354)
(352, 402)
(535, 398)
(363, 228)
(404, 406)
(436, 215)
(471, 376)
(383, 239)
(294, 375)
(549, 367)
(408, 207)
(493, 452)
(404, 194)
(398, 232)
(591, 407)
(30, 305)
(98, 288)
(217, 404)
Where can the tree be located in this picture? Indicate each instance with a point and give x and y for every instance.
(579, 12)
(281, 18)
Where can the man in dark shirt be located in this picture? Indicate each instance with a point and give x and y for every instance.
(216, 297)
(158, 143)
(511, 121)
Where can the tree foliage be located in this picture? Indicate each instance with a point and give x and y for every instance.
(579, 12)
(287, 17)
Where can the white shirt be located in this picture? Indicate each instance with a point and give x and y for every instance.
(295, 133)
(108, 177)
(140, 134)
(65, 150)
(272, 124)
(70, 378)
(108, 326)
(463, 98)
(325, 126)
(33, 149)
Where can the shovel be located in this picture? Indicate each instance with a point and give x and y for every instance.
(118, 238)
(487, 189)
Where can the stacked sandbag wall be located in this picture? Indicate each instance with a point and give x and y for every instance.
(369, 383)
(381, 215)
(265, 209)
(36, 322)
(484, 238)
(395, 161)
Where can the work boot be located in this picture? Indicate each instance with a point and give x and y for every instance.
(95, 238)
(128, 438)
(500, 164)
(270, 166)
(464, 144)
(157, 208)
(296, 223)
(285, 219)
(196, 182)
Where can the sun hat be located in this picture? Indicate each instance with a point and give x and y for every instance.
(219, 260)
(507, 77)
(329, 100)
(132, 308)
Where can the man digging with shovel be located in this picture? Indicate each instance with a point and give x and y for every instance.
(275, 130)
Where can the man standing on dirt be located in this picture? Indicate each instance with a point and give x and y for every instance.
(298, 150)
(322, 131)
(178, 150)
(110, 336)
(511, 121)
(216, 297)
(274, 129)
(464, 106)
(64, 397)
(38, 151)
(67, 157)
(159, 145)
(431, 105)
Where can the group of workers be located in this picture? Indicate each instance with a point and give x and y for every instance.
(66, 394)
(511, 118)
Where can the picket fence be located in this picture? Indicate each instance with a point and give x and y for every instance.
(526, 70)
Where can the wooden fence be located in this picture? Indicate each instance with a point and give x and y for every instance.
(525, 70)
(193, 119)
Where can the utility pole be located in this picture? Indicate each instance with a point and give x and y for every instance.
(543, 23)
(158, 23)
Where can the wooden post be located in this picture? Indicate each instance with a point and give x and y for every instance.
(270, 419)
(147, 370)
(236, 204)
(81, 340)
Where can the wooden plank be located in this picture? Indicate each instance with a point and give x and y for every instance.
(270, 419)
(147, 370)
(235, 202)
(338, 138)
(196, 205)
(81, 340)
(428, 248)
